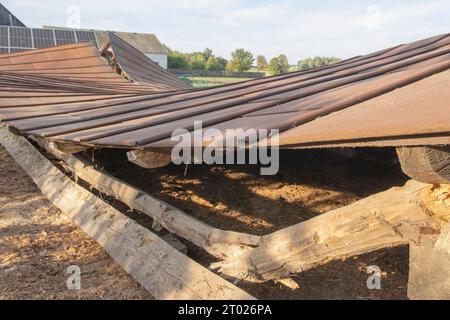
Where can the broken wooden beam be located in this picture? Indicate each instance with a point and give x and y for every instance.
(429, 267)
(384, 220)
(217, 242)
(426, 164)
(150, 159)
(156, 265)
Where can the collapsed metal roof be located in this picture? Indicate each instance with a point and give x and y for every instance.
(398, 96)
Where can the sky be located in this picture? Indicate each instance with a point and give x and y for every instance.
(298, 29)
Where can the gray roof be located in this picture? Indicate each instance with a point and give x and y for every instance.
(8, 19)
(145, 42)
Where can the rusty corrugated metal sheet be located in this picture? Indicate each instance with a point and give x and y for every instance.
(74, 68)
(298, 104)
(421, 109)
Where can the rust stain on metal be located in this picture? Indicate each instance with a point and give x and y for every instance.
(397, 96)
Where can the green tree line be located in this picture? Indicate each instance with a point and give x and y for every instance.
(316, 62)
(205, 60)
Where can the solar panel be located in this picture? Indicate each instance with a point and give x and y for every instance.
(16, 39)
(86, 36)
(3, 50)
(20, 37)
(4, 37)
(64, 37)
(43, 38)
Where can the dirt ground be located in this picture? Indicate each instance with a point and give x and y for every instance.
(235, 198)
(38, 243)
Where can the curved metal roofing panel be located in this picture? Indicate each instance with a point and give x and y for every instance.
(141, 68)
(112, 112)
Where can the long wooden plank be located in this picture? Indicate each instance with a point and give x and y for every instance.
(384, 220)
(161, 269)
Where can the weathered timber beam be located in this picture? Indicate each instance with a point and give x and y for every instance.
(219, 243)
(435, 201)
(426, 164)
(156, 265)
(384, 220)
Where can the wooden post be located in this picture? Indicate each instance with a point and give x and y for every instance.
(426, 164)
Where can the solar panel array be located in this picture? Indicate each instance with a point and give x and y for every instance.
(14, 39)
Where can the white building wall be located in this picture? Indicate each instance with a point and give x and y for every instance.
(160, 59)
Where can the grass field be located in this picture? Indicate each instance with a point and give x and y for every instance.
(206, 82)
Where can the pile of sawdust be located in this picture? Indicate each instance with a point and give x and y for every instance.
(38, 243)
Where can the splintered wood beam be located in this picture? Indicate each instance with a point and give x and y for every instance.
(384, 220)
(148, 159)
(217, 242)
(156, 265)
(435, 201)
(426, 164)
